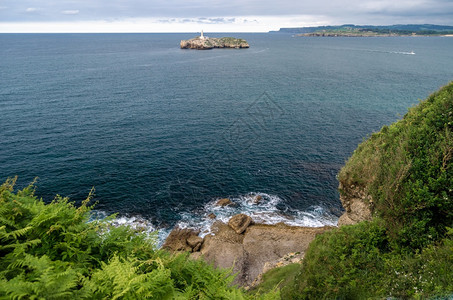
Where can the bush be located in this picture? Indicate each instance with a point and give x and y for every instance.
(354, 262)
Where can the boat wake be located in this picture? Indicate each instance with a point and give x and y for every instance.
(404, 53)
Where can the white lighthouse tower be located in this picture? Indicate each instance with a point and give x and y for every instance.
(202, 37)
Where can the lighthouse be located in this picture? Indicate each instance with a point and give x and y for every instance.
(202, 37)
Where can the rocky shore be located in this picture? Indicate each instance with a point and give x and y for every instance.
(251, 249)
(206, 43)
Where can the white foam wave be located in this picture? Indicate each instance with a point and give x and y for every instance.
(137, 223)
(378, 51)
(264, 211)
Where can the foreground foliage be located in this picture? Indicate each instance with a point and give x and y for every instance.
(354, 262)
(53, 252)
(406, 251)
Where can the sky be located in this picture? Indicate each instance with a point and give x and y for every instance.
(213, 15)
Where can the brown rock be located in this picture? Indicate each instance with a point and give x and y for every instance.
(224, 249)
(177, 239)
(248, 253)
(212, 216)
(257, 199)
(239, 223)
(357, 203)
(225, 233)
(270, 243)
(224, 202)
(194, 242)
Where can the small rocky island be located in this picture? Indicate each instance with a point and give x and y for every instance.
(205, 43)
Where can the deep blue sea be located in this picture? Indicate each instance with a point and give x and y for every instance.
(162, 133)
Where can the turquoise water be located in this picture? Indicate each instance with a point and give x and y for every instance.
(161, 133)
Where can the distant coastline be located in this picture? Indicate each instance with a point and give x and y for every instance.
(351, 30)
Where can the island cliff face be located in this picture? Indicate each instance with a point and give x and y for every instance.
(206, 43)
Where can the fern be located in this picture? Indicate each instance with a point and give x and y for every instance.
(51, 251)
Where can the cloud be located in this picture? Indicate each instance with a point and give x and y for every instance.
(202, 20)
(256, 24)
(70, 12)
(291, 13)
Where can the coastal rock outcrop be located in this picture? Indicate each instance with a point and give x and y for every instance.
(261, 245)
(206, 43)
(194, 242)
(182, 240)
(357, 204)
(239, 223)
(252, 252)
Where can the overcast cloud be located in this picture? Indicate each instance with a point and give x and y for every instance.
(258, 15)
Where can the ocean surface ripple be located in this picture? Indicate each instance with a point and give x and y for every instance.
(162, 133)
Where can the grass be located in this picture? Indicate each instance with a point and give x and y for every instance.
(277, 278)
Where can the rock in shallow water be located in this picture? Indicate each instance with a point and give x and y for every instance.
(224, 202)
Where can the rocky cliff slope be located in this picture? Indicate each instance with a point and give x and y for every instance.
(250, 249)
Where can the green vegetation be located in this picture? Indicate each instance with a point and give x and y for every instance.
(355, 262)
(370, 30)
(406, 251)
(277, 277)
(407, 170)
(232, 41)
(53, 252)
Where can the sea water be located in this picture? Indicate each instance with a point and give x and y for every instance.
(162, 133)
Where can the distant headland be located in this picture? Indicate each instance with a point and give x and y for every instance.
(351, 30)
(203, 42)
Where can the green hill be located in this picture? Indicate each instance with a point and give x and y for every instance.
(373, 30)
(406, 251)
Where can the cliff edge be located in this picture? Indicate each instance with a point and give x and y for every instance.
(403, 175)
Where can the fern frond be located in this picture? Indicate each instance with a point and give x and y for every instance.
(15, 234)
(9, 184)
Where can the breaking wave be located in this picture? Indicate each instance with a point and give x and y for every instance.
(261, 207)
